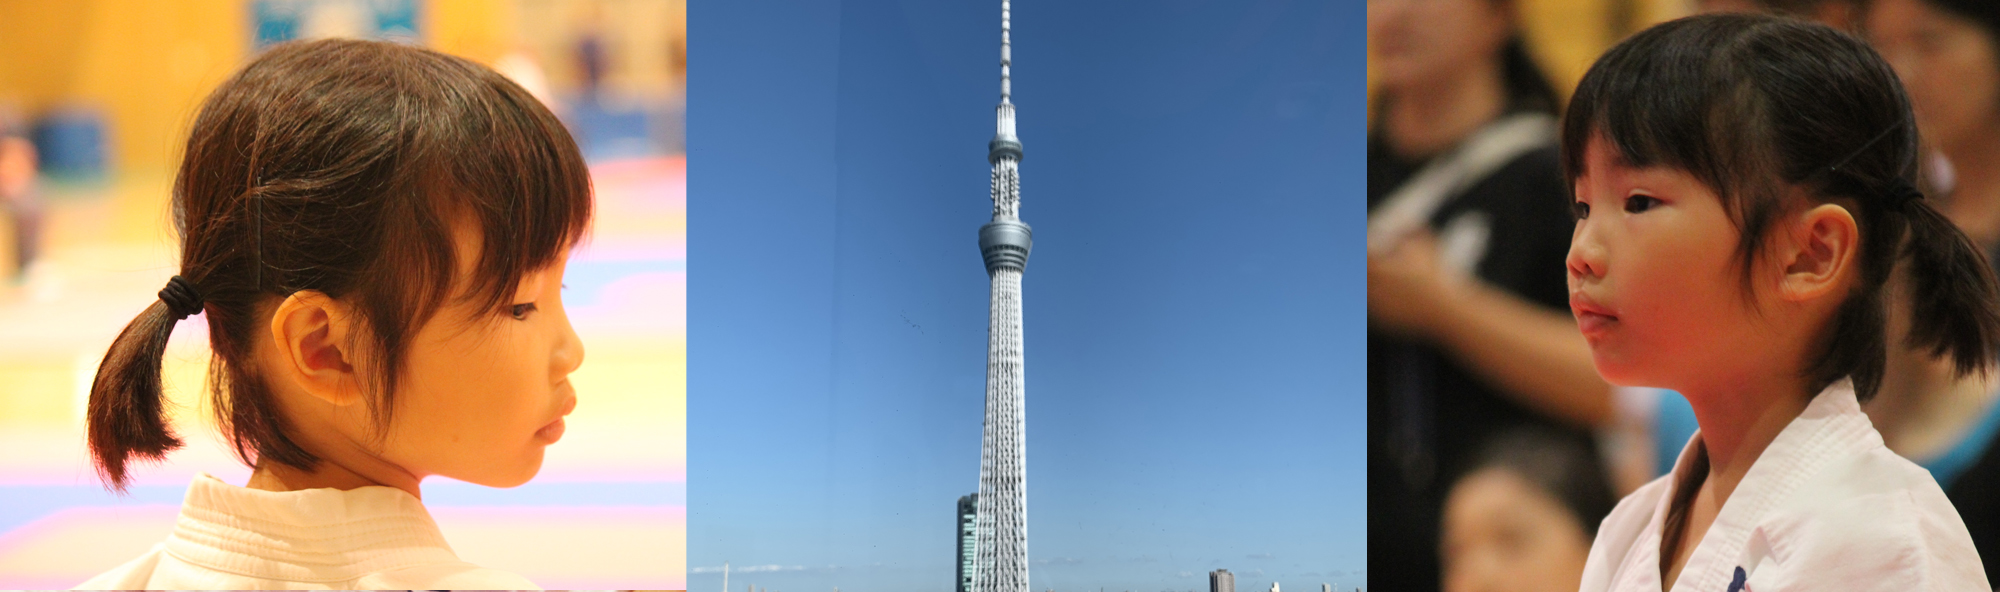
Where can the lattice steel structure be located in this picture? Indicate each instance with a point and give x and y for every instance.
(1002, 550)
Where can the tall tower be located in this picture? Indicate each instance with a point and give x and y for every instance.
(1003, 453)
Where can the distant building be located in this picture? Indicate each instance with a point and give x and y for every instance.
(1221, 581)
(968, 540)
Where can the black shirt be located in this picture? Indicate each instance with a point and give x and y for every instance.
(1427, 415)
(1976, 496)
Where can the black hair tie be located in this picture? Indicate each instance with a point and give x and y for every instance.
(1902, 193)
(182, 299)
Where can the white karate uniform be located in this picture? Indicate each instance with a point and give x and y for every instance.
(1825, 507)
(235, 538)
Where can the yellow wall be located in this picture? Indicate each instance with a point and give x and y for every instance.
(147, 64)
(478, 30)
(1568, 35)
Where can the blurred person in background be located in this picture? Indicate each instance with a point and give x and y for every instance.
(1522, 519)
(18, 195)
(1468, 335)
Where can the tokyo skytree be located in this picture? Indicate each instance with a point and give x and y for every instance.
(1002, 553)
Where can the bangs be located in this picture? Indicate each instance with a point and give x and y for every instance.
(496, 160)
(520, 175)
(1675, 98)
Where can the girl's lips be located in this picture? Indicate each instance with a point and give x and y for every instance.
(1594, 324)
(549, 434)
(1591, 318)
(554, 430)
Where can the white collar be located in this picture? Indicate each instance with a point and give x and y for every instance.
(313, 535)
(1831, 427)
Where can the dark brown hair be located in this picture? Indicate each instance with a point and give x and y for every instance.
(342, 167)
(1561, 467)
(1754, 105)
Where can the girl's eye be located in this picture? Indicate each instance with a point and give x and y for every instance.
(1579, 209)
(520, 311)
(1640, 203)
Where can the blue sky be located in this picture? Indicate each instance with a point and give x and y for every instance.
(1193, 306)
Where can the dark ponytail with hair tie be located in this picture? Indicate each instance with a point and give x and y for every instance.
(1952, 289)
(127, 415)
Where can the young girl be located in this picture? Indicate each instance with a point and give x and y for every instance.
(376, 235)
(1744, 186)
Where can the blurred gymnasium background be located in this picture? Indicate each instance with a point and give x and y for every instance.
(98, 96)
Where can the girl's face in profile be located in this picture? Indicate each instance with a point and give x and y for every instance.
(1653, 280)
(485, 391)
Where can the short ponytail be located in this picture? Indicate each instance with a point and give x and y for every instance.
(127, 418)
(1953, 297)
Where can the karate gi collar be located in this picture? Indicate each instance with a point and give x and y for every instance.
(313, 535)
(1831, 427)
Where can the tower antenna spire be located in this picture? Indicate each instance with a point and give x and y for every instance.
(1006, 51)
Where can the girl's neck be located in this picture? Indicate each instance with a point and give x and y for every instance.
(1429, 116)
(329, 474)
(1739, 421)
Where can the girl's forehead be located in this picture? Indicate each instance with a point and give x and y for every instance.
(539, 280)
(1602, 161)
(1602, 151)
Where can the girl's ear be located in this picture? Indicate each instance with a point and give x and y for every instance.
(1820, 253)
(312, 333)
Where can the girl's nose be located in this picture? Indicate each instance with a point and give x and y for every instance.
(1586, 253)
(569, 351)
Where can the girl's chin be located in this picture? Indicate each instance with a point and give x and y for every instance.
(1615, 369)
(509, 476)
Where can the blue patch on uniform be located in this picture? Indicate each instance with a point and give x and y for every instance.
(1736, 585)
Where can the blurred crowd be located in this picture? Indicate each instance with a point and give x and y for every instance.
(1495, 449)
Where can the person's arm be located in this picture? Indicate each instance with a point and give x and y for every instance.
(1530, 353)
(1528, 350)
